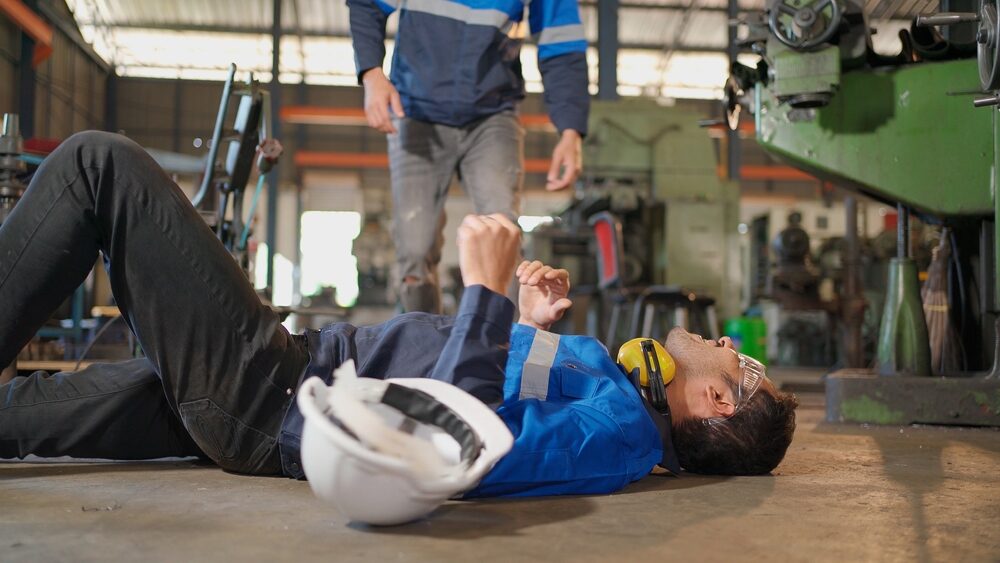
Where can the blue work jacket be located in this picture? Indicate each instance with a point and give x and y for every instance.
(579, 424)
(458, 61)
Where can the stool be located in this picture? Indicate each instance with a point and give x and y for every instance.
(690, 311)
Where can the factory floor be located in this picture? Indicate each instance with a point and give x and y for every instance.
(844, 493)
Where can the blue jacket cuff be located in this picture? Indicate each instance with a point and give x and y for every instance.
(492, 307)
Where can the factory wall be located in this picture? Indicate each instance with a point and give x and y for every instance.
(69, 85)
(177, 115)
(71, 92)
(8, 65)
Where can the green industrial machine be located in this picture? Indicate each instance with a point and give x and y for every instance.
(639, 145)
(904, 130)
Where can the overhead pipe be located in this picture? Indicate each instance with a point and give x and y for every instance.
(33, 25)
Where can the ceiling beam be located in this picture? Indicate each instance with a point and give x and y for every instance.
(657, 7)
(253, 30)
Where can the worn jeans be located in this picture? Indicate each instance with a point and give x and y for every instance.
(220, 370)
(423, 157)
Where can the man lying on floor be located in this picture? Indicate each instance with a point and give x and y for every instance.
(220, 372)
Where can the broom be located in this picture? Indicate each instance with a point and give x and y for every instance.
(946, 348)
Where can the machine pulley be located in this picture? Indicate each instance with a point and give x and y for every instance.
(804, 27)
(986, 49)
(987, 37)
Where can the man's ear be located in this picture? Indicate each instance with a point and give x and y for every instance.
(721, 400)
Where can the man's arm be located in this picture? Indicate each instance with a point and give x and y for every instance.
(475, 355)
(562, 60)
(368, 19)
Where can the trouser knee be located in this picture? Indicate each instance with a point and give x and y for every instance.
(93, 145)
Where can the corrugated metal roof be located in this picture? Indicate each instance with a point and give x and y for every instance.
(655, 25)
(670, 46)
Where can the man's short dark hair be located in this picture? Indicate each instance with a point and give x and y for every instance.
(751, 442)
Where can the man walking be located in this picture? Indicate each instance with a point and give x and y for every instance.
(451, 107)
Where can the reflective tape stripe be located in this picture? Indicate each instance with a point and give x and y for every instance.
(535, 374)
(455, 11)
(560, 34)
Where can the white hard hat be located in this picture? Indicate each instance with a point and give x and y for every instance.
(391, 451)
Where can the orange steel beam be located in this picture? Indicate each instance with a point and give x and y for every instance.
(316, 115)
(33, 25)
(769, 172)
(324, 159)
(329, 159)
(319, 115)
(745, 126)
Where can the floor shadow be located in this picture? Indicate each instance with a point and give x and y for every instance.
(985, 438)
(482, 518)
(898, 462)
(506, 517)
(917, 466)
(693, 500)
(667, 482)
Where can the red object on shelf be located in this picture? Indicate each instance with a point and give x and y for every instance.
(41, 147)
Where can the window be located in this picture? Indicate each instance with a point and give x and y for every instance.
(327, 259)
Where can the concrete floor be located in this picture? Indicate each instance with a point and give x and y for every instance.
(844, 493)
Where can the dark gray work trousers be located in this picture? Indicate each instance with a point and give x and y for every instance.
(220, 370)
(488, 155)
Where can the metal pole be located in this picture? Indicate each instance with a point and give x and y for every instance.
(607, 49)
(111, 102)
(300, 143)
(854, 304)
(902, 231)
(732, 49)
(273, 179)
(178, 102)
(27, 86)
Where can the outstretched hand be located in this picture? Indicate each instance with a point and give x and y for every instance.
(543, 295)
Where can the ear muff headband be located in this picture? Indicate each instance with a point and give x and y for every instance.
(654, 376)
(655, 369)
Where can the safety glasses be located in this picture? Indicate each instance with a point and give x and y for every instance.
(752, 374)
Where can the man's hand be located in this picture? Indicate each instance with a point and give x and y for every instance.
(566, 162)
(542, 299)
(488, 248)
(380, 95)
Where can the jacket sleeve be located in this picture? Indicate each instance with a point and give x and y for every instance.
(475, 355)
(367, 20)
(562, 60)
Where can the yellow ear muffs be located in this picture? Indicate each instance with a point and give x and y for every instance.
(654, 365)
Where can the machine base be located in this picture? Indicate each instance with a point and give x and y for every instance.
(864, 396)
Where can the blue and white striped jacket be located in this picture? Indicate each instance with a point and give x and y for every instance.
(456, 61)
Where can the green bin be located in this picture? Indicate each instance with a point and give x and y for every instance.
(749, 335)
